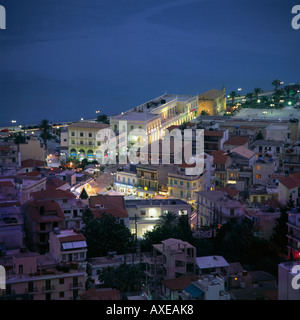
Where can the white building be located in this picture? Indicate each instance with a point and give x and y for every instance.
(145, 214)
(68, 246)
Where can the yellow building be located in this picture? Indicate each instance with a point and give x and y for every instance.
(212, 102)
(85, 138)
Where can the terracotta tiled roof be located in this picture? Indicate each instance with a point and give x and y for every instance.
(211, 94)
(30, 163)
(30, 174)
(6, 184)
(52, 211)
(54, 183)
(213, 133)
(71, 238)
(180, 283)
(220, 156)
(236, 141)
(52, 194)
(113, 205)
(290, 182)
(244, 152)
(230, 191)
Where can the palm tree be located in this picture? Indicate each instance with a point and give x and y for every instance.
(19, 138)
(45, 129)
(233, 95)
(277, 96)
(276, 83)
(257, 91)
(168, 219)
(250, 96)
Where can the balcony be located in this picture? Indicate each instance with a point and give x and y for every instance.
(48, 288)
(75, 286)
(31, 290)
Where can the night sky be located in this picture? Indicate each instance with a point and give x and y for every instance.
(65, 59)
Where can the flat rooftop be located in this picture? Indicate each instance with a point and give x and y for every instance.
(153, 202)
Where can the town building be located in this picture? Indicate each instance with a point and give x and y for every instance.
(170, 259)
(71, 207)
(68, 246)
(289, 187)
(145, 214)
(114, 205)
(41, 217)
(32, 149)
(85, 139)
(234, 142)
(222, 161)
(31, 276)
(215, 208)
(206, 288)
(212, 102)
(214, 140)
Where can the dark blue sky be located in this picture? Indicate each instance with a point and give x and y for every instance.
(65, 59)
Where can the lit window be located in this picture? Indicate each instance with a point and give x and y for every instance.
(258, 176)
(257, 167)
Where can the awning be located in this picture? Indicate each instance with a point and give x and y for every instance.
(194, 291)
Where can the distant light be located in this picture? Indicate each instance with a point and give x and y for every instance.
(239, 89)
(258, 101)
(289, 103)
(81, 119)
(281, 82)
(32, 132)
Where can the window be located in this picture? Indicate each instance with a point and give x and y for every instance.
(20, 269)
(258, 167)
(181, 194)
(65, 200)
(75, 213)
(175, 181)
(62, 294)
(81, 142)
(258, 176)
(231, 212)
(181, 183)
(73, 134)
(82, 255)
(42, 226)
(188, 184)
(90, 135)
(81, 134)
(260, 149)
(98, 143)
(132, 231)
(143, 212)
(73, 141)
(90, 143)
(277, 149)
(61, 280)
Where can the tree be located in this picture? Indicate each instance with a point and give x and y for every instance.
(277, 97)
(125, 277)
(256, 92)
(105, 233)
(204, 113)
(280, 230)
(233, 95)
(45, 129)
(250, 96)
(259, 136)
(168, 220)
(102, 118)
(19, 138)
(276, 83)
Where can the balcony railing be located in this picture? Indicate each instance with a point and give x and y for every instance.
(74, 286)
(31, 290)
(48, 288)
